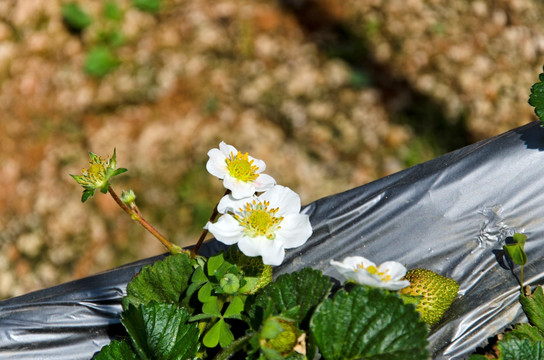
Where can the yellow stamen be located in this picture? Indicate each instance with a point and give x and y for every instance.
(241, 168)
(258, 220)
(375, 271)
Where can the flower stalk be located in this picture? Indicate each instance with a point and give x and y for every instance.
(215, 212)
(136, 216)
(237, 345)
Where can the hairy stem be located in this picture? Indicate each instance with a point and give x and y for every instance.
(194, 252)
(174, 249)
(233, 348)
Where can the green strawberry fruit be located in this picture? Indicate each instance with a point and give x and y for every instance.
(435, 292)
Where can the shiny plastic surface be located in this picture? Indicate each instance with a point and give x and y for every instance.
(451, 215)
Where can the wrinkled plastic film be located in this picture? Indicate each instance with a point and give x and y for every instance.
(451, 215)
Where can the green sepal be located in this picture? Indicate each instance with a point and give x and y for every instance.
(161, 331)
(116, 350)
(87, 193)
(533, 306)
(368, 323)
(163, 281)
(118, 172)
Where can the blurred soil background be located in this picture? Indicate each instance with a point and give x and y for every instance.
(330, 94)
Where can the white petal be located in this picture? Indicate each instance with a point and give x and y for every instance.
(227, 149)
(264, 182)
(295, 230)
(395, 285)
(226, 230)
(216, 164)
(261, 166)
(394, 269)
(229, 203)
(271, 251)
(283, 198)
(355, 261)
(238, 188)
(363, 277)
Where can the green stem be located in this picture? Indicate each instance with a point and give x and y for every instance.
(521, 278)
(233, 348)
(194, 252)
(174, 249)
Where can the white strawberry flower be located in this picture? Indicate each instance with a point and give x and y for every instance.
(358, 269)
(241, 173)
(263, 225)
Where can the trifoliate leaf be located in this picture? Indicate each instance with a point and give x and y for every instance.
(536, 99)
(205, 293)
(306, 289)
(219, 334)
(161, 331)
(533, 306)
(211, 307)
(235, 308)
(214, 263)
(164, 281)
(368, 324)
(116, 350)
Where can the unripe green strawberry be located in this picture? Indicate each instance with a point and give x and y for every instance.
(436, 293)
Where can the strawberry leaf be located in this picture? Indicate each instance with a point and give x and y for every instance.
(163, 281)
(161, 331)
(368, 324)
(116, 350)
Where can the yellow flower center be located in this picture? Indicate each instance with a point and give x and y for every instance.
(95, 175)
(258, 220)
(375, 271)
(241, 168)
